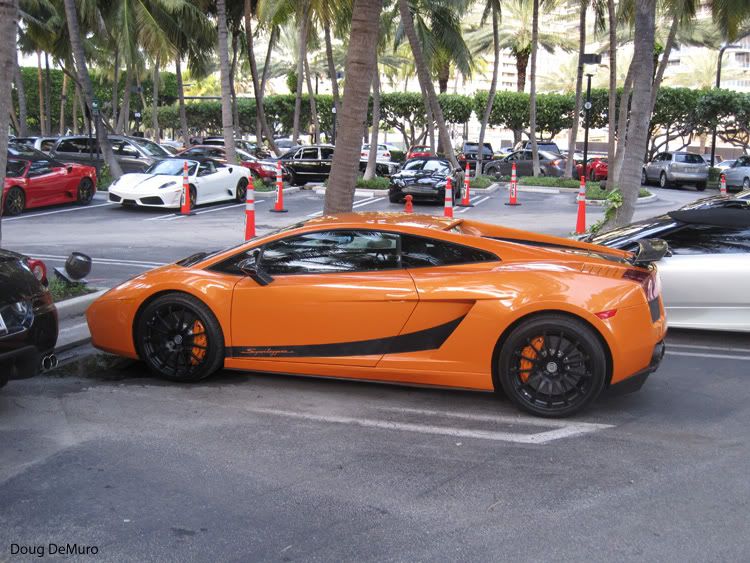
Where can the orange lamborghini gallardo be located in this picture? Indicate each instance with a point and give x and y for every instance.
(406, 299)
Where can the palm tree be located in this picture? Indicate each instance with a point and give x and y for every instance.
(532, 89)
(21, 93)
(76, 40)
(491, 7)
(359, 70)
(612, 100)
(8, 58)
(226, 101)
(423, 74)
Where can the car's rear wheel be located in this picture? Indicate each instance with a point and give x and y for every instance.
(240, 193)
(15, 201)
(552, 365)
(663, 182)
(746, 184)
(701, 186)
(644, 178)
(179, 338)
(85, 191)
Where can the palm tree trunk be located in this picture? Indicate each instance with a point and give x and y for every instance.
(181, 100)
(613, 174)
(48, 93)
(331, 66)
(124, 115)
(40, 87)
(579, 89)
(444, 75)
(116, 86)
(664, 60)
(88, 89)
(8, 59)
(76, 98)
(429, 121)
(313, 105)
(155, 102)
(612, 105)
(226, 102)
(258, 89)
(359, 68)
(23, 113)
(423, 73)
(63, 100)
(640, 113)
(532, 88)
(232, 72)
(493, 91)
(522, 61)
(301, 55)
(372, 157)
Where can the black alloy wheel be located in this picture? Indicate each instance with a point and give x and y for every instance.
(552, 366)
(240, 193)
(15, 201)
(85, 191)
(179, 338)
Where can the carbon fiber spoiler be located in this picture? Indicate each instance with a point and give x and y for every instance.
(649, 250)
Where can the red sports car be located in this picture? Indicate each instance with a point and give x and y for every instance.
(419, 151)
(33, 179)
(261, 169)
(596, 170)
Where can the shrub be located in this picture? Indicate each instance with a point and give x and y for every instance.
(398, 156)
(482, 182)
(377, 183)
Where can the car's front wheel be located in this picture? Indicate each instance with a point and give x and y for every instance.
(552, 365)
(85, 191)
(663, 182)
(701, 186)
(179, 338)
(15, 201)
(240, 194)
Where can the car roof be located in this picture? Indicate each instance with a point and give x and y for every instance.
(377, 218)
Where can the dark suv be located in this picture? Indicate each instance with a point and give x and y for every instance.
(134, 154)
(470, 153)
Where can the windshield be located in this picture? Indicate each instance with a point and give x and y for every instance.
(151, 149)
(171, 167)
(15, 168)
(243, 156)
(689, 158)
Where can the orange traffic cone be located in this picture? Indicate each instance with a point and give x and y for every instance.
(448, 209)
(409, 207)
(185, 207)
(279, 207)
(513, 194)
(250, 211)
(466, 199)
(581, 219)
(723, 184)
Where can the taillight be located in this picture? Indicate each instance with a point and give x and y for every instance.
(649, 281)
(555, 163)
(39, 270)
(386, 154)
(462, 156)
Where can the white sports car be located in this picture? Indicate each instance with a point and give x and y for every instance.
(161, 184)
(706, 272)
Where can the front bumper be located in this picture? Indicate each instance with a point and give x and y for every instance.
(636, 381)
(171, 198)
(418, 193)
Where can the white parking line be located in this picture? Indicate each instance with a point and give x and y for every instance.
(563, 430)
(476, 203)
(79, 208)
(107, 261)
(360, 203)
(671, 345)
(700, 355)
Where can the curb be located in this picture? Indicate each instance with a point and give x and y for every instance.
(272, 193)
(77, 306)
(532, 189)
(360, 192)
(640, 201)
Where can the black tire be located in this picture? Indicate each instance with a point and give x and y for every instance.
(193, 197)
(240, 193)
(644, 178)
(701, 186)
(663, 182)
(85, 191)
(293, 180)
(746, 184)
(552, 387)
(164, 325)
(394, 198)
(15, 201)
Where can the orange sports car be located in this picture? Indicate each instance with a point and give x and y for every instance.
(401, 298)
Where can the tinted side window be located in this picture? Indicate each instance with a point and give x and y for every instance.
(39, 168)
(309, 154)
(417, 252)
(743, 161)
(326, 153)
(331, 251)
(68, 146)
(47, 145)
(699, 239)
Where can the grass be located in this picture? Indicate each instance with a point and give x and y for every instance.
(62, 290)
(593, 191)
(482, 182)
(264, 187)
(377, 183)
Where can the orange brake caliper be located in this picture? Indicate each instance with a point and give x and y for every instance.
(199, 339)
(525, 366)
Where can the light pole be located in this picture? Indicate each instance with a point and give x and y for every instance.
(591, 59)
(723, 48)
(333, 133)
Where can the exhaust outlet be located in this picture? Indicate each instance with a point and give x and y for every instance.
(49, 362)
(46, 363)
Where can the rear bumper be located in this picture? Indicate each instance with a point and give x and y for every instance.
(20, 363)
(21, 353)
(687, 176)
(636, 381)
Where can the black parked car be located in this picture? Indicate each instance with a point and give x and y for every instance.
(470, 153)
(425, 179)
(28, 319)
(312, 163)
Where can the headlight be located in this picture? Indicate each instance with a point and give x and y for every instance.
(167, 185)
(268, 168)
(441, 184)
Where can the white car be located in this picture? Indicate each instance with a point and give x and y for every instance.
(384, 154)
(161, 184)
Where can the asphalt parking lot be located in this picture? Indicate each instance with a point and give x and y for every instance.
(255, 467)
(251, 467)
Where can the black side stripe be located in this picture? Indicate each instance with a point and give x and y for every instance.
(427, 339)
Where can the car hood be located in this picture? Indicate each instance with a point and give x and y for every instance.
(419, 177)
(144, 182)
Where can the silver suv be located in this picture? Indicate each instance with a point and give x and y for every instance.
(738, 175)
(134, 154)
(676, 169)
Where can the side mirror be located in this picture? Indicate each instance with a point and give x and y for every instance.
(249, 267)
(70, 169)
(230, 169)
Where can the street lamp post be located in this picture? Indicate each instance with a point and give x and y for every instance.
(586, 122)
(718, 85)
(333, 133)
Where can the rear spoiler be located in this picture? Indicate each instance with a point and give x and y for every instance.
(649, 250)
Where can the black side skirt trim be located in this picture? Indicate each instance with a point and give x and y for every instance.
(427, 339)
